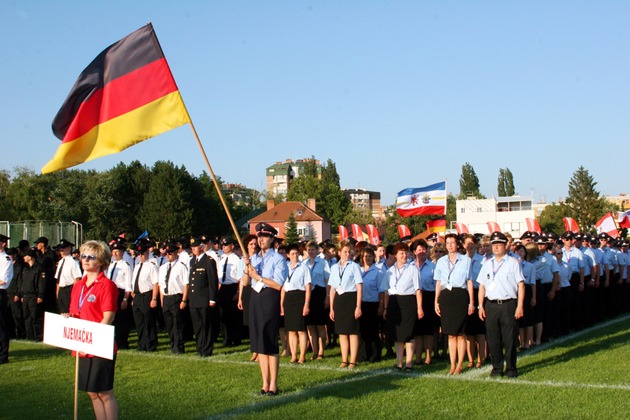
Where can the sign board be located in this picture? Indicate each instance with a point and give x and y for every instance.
(79, 335)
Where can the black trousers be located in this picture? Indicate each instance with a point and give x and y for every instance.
(203, 320)
(502, 332)
(63, 299)
(576, 302)
(231, 316)
(123, 321)
(4, 327)
(33, 317)
(369, 331)
(144, 318)
(18, 319)
(174, 320)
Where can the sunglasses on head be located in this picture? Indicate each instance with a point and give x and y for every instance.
(88, 257)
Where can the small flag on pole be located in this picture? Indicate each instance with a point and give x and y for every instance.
(493, 227)
(374, 237)
(422, 201)
(436, 226)
(607, 224)
(532, 225)
(570, 224)
(126, 95)
(461, 228)
(343, 232)
(403, 231)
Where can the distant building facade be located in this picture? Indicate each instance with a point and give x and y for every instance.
(310, 225)
(280, 175)
(508, 212)
(363, 200)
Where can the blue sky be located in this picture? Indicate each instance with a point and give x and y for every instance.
(398, 94)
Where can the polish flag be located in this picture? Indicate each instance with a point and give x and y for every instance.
(607, 224)
(533, 226)
(570, 224)
(373, 236)
(493, 227)
(343, 232)
(403, 231)
(461, 228)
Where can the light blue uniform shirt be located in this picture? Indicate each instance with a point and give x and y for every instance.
(574, 258)
(456, 275)
(589, 260)
(548, 266)
(427, 270)
(529, 272)
(501, 279)
(320, 271)
(272, 266)
(475, 267)
(345, 279)
(374, 283)
(404, 281)
(609, 258)
(297, 278)
(565, 274)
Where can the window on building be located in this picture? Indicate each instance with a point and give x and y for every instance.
(463, 210)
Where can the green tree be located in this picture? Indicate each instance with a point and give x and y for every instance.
(469, 183)
(585, 204)
(550, 219)
(166, 211)
(505, 186)
(291, 235)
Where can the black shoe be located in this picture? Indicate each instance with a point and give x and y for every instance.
(263, 392)
(273, 393)
(496, 373)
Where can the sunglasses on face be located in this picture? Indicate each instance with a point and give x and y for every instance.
(88, 257)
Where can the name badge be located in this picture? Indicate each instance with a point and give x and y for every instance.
(259, 286)
(449, 287)
(339, 290)
(492, 286)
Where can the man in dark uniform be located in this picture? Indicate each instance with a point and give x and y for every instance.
(6, 277)
(202, 294)
(15, 301)
(231, 317)
(145, 295)
(31, 288)
(47, 260)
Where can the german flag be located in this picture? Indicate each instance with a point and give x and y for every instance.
(436, 225)
(126, 95)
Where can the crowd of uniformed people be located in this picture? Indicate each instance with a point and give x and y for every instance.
(412, 300)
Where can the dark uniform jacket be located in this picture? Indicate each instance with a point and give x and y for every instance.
(32, 281)
(203, 283)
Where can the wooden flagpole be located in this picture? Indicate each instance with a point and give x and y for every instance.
(76, 387)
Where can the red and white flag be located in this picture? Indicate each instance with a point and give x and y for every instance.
(357, 233)
(607, 224)
(461, 228)
(403, 231)
(493, 227)
(623, 219)
(570, 224)
(373, 236)
(343, 232)
(532, 225)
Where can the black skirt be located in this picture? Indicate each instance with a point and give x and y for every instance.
(454, 309)
(317, 314)
(96, 374)
(245, 298)
(528, 311)
(264, 321)
(345, 306)
(293, 306)
(430, 321)
(475, 326)
(402, 313)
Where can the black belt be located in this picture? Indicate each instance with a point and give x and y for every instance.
(63, 287)
(500, 301)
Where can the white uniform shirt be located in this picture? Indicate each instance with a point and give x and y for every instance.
(68, 271)
(177, 280)
(120, 273)
(149, 273)
(501, 279)
(6, 270)
(228, 264)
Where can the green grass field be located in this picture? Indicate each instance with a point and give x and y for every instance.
(585, 375)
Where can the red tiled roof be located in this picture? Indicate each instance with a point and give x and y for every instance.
(281, 212)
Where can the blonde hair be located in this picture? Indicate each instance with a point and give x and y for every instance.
(100, 250)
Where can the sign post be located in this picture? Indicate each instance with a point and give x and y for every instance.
(80, 336)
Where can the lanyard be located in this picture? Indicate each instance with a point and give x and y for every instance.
(494, 272)
(81, 298)
(450, 269)
(292, 271)
(342, 271)
(398, 274)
